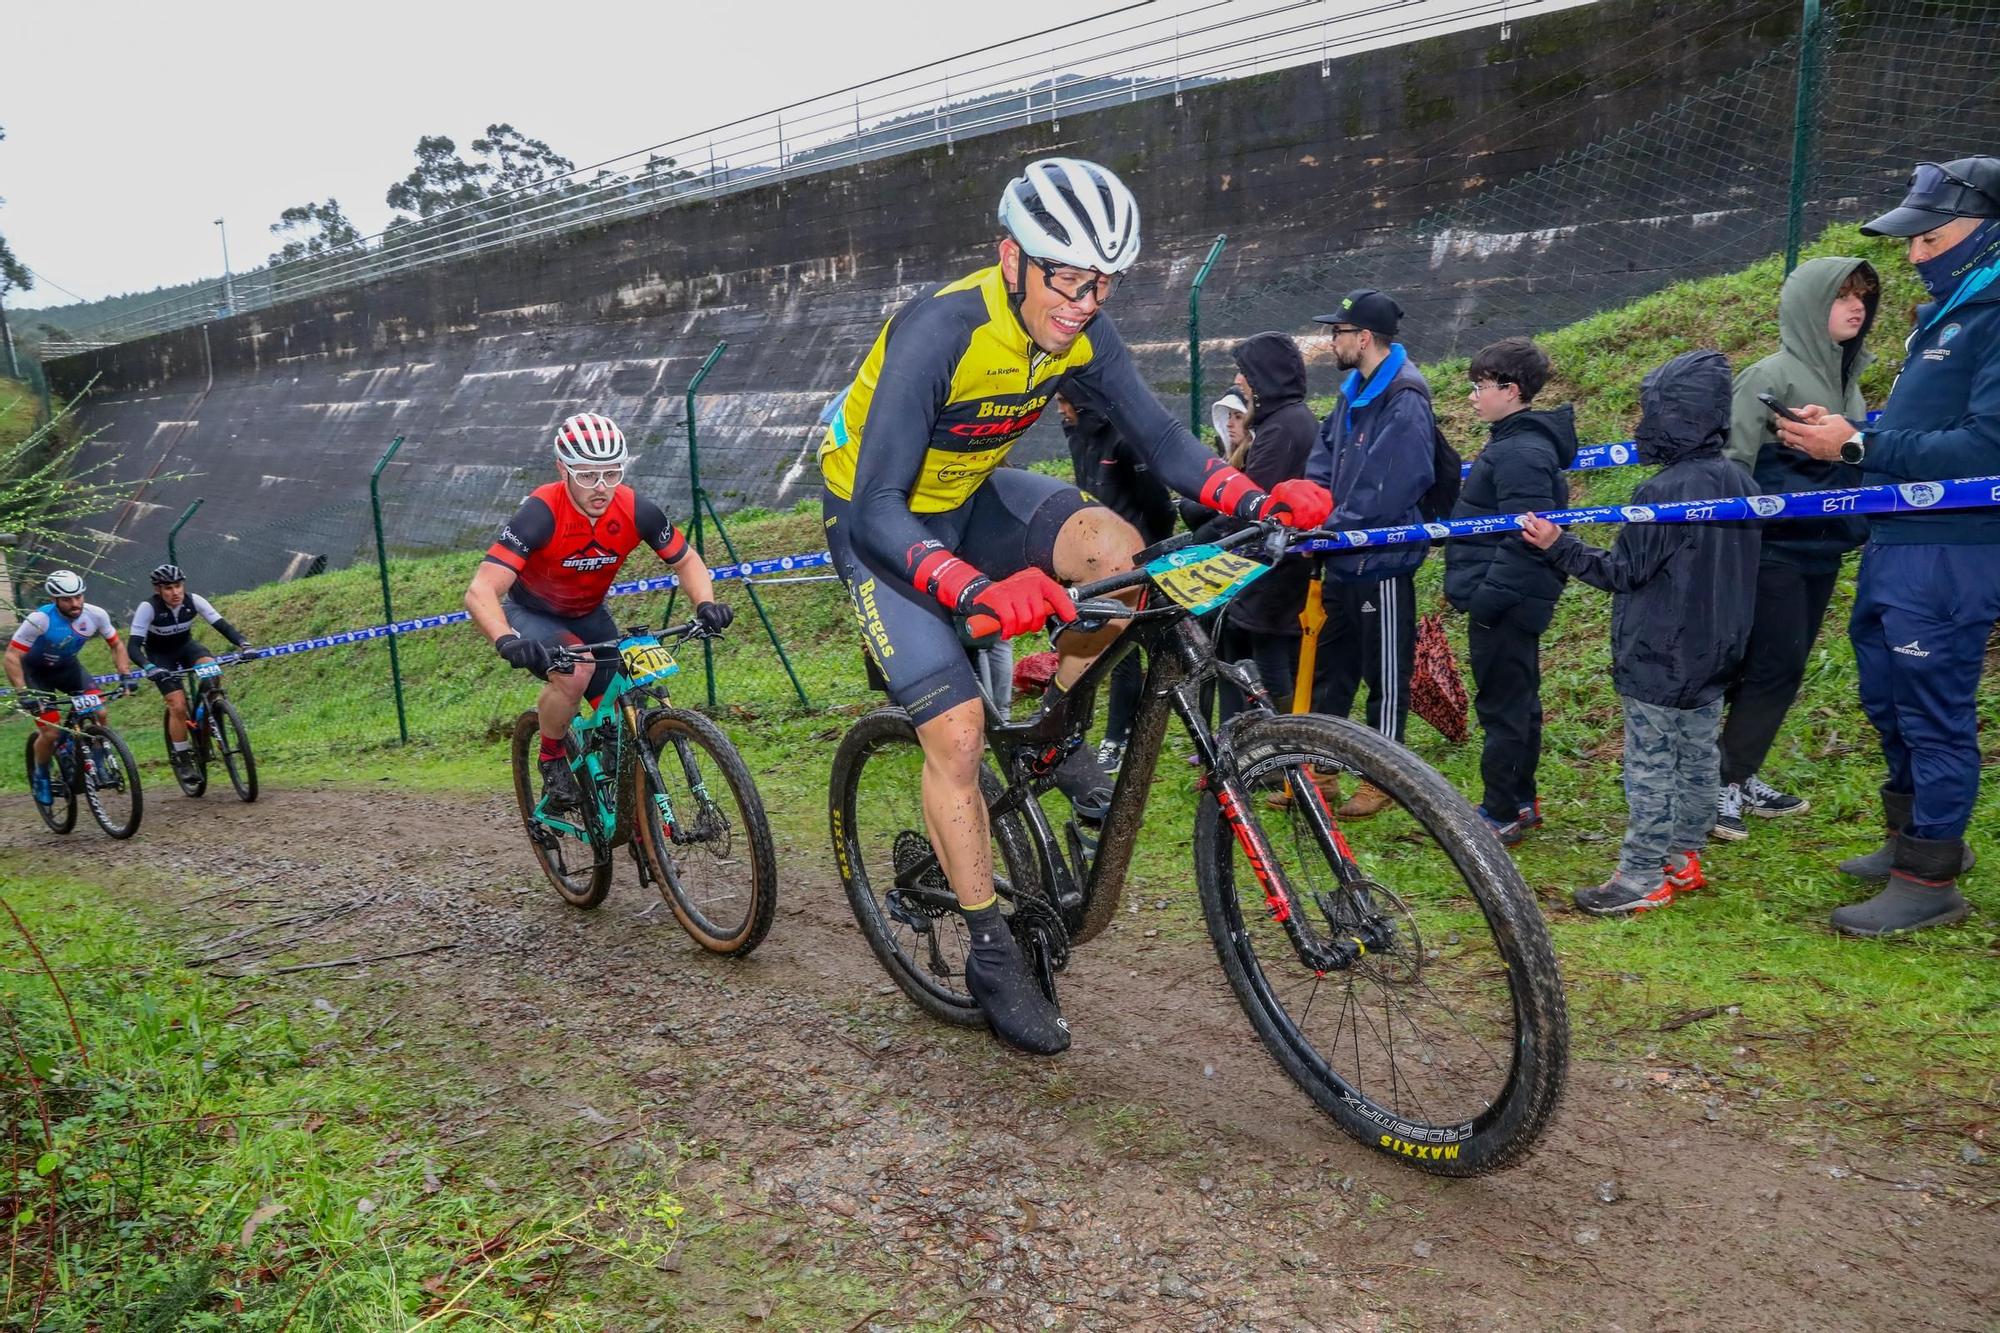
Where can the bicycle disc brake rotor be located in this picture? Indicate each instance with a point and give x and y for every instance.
(1372, 912)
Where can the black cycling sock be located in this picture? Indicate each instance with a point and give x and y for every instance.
(992, 939)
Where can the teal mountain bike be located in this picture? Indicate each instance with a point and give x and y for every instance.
(662, 782)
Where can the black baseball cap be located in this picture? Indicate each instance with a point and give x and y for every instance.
(1965, 187)
(1366, 308)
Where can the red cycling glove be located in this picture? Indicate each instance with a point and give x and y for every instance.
(1018, 604)
(1298, 504)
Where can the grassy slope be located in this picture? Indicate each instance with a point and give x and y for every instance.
(1897, 1036)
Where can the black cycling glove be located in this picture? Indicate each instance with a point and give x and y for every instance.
(527, 654)
(714, 616)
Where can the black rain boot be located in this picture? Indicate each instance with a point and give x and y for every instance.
(1876, 865)
(1922, 891)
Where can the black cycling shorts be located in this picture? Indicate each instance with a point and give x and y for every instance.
(64, 676)
(175, 656)
(548, 627)
(1010, 524)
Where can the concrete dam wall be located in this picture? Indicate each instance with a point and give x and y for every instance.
(275, 418)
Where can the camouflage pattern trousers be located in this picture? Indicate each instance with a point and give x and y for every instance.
(1673, 765)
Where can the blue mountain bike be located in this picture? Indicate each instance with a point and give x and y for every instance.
(662, 782)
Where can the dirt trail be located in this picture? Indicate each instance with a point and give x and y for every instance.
(1163, 1174)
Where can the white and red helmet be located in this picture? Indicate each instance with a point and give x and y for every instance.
(591, 439)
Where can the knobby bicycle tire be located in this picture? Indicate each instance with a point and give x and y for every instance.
(1515, 1114)
(861, 856)
(748, 836)
(584, 887)
(233, 744)
(60, 813)
(122, 755)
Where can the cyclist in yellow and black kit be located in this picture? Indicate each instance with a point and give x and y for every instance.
(924, 525)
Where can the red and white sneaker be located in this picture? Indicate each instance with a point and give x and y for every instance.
(1684, 872)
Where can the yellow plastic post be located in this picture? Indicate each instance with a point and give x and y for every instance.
(1311, 617)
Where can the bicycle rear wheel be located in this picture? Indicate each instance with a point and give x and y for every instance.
(578, 870)
(195, 780)
(60, 813)
(232, 744)
(1444, 1043)
(110, 781)
(716, 866)
(879, 838)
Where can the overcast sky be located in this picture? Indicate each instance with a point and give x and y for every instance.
(132, 126)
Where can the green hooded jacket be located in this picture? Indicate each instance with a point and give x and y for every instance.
(1808, 367)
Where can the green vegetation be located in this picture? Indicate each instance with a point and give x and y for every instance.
(188, 1156)
(191, 1154)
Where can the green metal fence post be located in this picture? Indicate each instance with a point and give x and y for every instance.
(173, 555)
(1805, 101)
(388, 607)
(695, 496)
(701, 502)
(1194, 333)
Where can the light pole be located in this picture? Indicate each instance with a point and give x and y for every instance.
(228, 283)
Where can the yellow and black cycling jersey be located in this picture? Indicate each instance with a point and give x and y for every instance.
(951, 383)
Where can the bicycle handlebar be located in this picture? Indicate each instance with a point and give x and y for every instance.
(1092, 600)
(573, 655)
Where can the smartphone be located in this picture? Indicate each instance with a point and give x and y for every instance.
(1771, 402)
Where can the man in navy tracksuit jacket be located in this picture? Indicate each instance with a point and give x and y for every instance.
(1375, 455)
(1929, 589)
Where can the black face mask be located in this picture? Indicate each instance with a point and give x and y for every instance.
(1942, 274)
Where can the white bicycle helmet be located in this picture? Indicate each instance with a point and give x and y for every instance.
(1068, 211)
(63, 583)
(590, 439)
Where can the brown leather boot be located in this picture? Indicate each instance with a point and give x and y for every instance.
(1368, 800)
(1327, 780)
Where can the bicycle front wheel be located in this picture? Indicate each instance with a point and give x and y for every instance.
(232, 743)
(110, 781)
(714, 863)
(578, 870)
(1439, 1036)
(60, 813)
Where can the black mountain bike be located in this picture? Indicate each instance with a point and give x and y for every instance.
(1407, 984)
(91, 760)
(664, 782)
(215, 731)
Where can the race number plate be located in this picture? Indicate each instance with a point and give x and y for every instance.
(207, 670)
(87, 703)
(647, 660)
(1202, 578)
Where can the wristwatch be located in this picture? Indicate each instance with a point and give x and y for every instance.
(1853, 449)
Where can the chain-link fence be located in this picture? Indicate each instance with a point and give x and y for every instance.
(1822, 127)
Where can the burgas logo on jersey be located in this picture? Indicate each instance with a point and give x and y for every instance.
(1922, 494)
(1767, 506)
(1636, 513)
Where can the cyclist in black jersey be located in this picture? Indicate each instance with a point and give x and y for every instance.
(164, 645)
(927, 529)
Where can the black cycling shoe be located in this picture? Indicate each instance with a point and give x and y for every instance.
(998, 977)
(559, 789)
(1082, 778)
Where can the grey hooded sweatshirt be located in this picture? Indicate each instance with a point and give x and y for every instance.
(1808, 367)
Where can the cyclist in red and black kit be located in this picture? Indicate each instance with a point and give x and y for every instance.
(545, 577)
